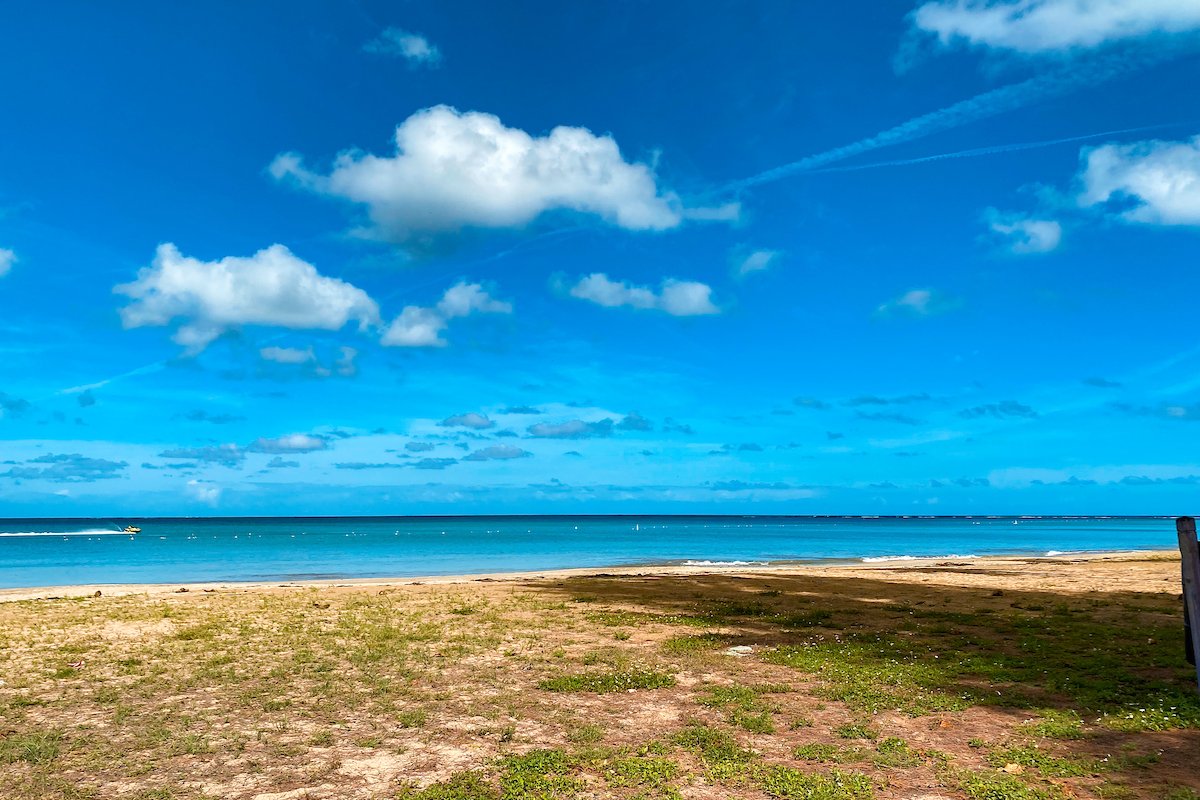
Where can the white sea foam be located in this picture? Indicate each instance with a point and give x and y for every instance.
(96, 532)
(878, 559)
(725, 563)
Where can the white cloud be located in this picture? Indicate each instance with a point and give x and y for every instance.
(413, 47)
(1161, 180)
(457, 169)
(7, 259)
(418, 326)
(919, 303)
(756, 261)
(204, 491)
(288, 355)
(272, 287)
(469, 420)
(1039, 26)
(675, 297)
(1024, 234)
(343, 363)
(498, 452)
(291, 443)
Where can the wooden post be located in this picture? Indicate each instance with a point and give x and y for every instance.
(1189, 551)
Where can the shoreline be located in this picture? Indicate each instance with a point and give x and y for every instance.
(891, 564)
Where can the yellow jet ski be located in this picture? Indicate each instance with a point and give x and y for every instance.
(132, 529)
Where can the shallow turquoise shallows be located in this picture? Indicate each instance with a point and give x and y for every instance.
(64, 552)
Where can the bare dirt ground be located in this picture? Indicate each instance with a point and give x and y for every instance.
(991, 679)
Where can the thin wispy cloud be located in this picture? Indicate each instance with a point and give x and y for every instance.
(412, 47)
(1046, 86)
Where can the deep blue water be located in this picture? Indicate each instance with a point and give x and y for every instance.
(62, 552)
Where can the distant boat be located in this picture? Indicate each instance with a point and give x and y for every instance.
(132, 529)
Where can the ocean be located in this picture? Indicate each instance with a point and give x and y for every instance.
(53, 552)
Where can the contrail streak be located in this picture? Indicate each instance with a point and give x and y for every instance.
(997, 149)
(982, 106)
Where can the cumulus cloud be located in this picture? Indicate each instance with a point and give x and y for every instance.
(675, 297)
(1155, 182)
(524, 410)
(756, 261)
(635, 422)
(343, 363)
(204, 491)
(418, 326)
(478, 422)
(278, 462)
(572, 429)
(435, 463)
(66, 468)
(454, 170)
(1024, 235)
(919, 303)
(7, 259)
(288, 355)
(1042, 26)
(418, 447)
(412, 47)
(291, 443)
(497, 452)
(272, 287)
(1102, 383)
(12, 405)
(85, 398)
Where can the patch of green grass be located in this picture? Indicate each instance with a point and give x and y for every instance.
(781, 781)
(539, 775)
(412, 718)
(460, 786)
(829, 753)
(1056, 724)
(642, 771)
(895, 752)
(1182, 793)
(722, 755)
(805, 619)
(605, 682)
(699, 643)
(755, 723)
(1047, 763)
(201, 631)
(586, 734)
(38, 748)
(856, 731)
(988, 785)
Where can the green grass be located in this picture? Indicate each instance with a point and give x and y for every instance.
(985, 785)
(539, 775)
(38, 748)
(723, 757)
(781, 781)
(1056, 724)
(698, 643)
(856, 731)
(604, 682)
(1047, 763)
(460, 786)
(829, 753)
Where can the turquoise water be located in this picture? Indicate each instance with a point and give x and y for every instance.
(63, 552)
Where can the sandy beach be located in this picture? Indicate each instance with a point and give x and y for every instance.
(1131, 571)
(988, 678)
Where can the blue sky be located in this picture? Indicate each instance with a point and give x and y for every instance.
(773, 257)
